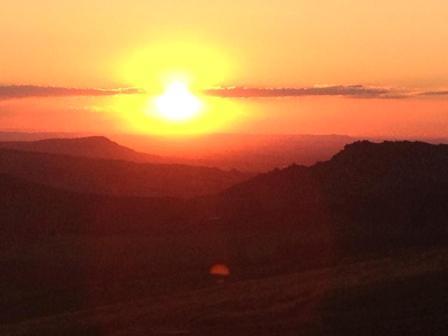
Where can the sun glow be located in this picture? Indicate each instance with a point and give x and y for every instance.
(174, 76)
(178, 104)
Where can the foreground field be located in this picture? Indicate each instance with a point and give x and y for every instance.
(403, 293)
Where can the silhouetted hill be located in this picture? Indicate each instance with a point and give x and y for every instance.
(361, 167)
(389, 164)
(116, 177)
(64, 251)
(94, 147)
(368, 195)
(358, 228)
(245, 152)
(34, 210)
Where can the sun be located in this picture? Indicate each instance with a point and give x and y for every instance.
(178, 104)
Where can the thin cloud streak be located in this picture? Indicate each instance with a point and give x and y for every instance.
(434, 93)
(350, 91)
(337, 90)
(30, 91)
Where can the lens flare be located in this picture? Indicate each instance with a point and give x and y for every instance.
(220, 270)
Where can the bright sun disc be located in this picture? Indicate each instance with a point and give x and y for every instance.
(178, 103)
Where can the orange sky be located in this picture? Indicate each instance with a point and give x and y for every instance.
(96, 44)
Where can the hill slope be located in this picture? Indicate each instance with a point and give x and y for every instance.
(116, 177)
(395, 295)
(253, 153)
(347, 246)
(387, 192)
(93, 147)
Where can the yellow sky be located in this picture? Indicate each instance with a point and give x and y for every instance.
(257, 43)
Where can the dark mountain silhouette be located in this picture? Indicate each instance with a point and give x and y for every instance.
(369, 194)
(244, 152)
(93, 147)
(116, 177)
(32, 209)
(353, 244)
(19, 136)
(253, 153)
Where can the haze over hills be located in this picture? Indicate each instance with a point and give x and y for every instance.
(352, 214)
(253, 153)
(247, 152)
(244, 152)
(224, 168)
(366, 193)
(116, 177)
(19, 136)
(94, 147)
(367, 196)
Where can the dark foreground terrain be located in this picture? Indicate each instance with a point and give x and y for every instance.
(356, 245)
(404, 294)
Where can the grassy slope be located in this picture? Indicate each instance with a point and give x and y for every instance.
(403, 294)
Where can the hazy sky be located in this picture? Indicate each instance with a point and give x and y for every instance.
(395, 47)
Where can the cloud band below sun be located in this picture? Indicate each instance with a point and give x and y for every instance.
(29, 91)
(349, 91)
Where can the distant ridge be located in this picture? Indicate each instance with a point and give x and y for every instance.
(371, 198)
(368, 196)
(93, 146)
(244, 152)
(367, 163)
(116, 173)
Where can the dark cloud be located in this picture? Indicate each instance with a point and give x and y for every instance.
(359, 91)
(351, 91)
(28, 91)
(434, 93)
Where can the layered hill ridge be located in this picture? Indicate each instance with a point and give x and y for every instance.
(369, 194)
(362, 165)
(369, 201)
(406, 181)
(84, 172)
(405, 158)
(244, 152)
(92, 146)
